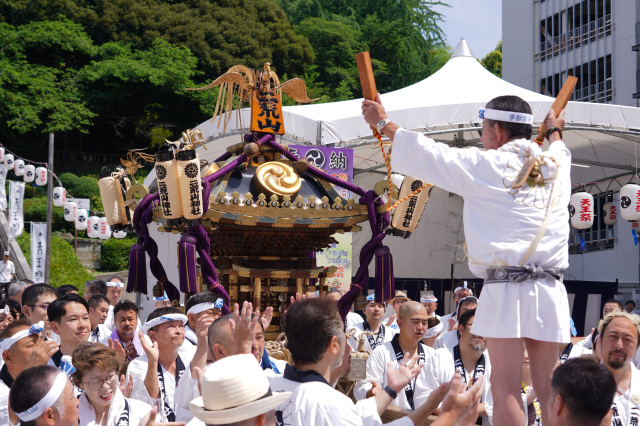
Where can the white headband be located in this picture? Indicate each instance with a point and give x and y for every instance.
(47, 401)
(464, 286)
(6, 310)
(161, 320)
(5, 344)
(508, 116)
(115, 284)
(433, 331)
(428, 300)
(201, 307)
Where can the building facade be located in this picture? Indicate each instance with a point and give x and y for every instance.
(598, 41)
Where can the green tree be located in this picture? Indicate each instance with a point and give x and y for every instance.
(493, 60)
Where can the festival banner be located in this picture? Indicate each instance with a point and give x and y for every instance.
(16, 219)
(338, 162)
(3, 191)
(38, 250)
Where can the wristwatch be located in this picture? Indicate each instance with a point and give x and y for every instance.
(390, 391)
(382, 124)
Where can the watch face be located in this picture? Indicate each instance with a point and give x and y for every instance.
(381, 123)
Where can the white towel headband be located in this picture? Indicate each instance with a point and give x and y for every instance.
(433, 331)
(5, 344)
(47, 401)
(115, 284)
(161, 320)
(428, 299)
(508, 116)
(201, 307)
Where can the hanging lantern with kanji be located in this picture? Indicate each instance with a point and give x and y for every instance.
(81, 219)
(610, 213)
(190, 186)
(581, 210)
(59, 196)
(41, 176)
(70, 208)
(168, 187)
(105, 229)
(93, 227)
(630, 202)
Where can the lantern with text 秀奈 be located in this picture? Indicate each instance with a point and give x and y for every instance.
(93, 227)
(168, 187)
(59, 196)
(581, 210)
(630, 202)
(105, 229)
(610, 213)
(81, 219)
(41, 176)
(70, 211)
(18, 167)
(29, 173)
(8, 161)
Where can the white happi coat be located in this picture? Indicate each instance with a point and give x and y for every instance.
(500, 223)
(440, 368)
(377, 372)
(137, 410)
(4, 404)
(353, 319)
(447, 340)
(353, 340)
(625, 409)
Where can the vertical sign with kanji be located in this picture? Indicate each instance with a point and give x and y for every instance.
(3, 192)
(16, 219)
(38, 250)
(337, 162)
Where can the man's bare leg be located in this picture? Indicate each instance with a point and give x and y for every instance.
(543, 357)
(506, 381)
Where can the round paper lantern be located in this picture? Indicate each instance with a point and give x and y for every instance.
(18, 167)
(29, 173)
(81, 219)
(41, 176)
(168, 186)
(581, 210)
(190, 185)
(630, 202)
(70, 211)
(93, 227)
(610, 212)
(1, 153)
(105, 229)
(8, 161)
(59, 196)
(119, 234)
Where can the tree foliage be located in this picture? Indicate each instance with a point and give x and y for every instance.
(493, 60)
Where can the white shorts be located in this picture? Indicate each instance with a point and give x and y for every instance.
(536, 310)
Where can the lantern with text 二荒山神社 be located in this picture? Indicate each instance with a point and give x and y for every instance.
(630, 202)
(41, 176)
(93, 227)
(105, 229)
(59, 196)
(190, 186)
(29, 173)
(18, 167)
(70, 208)
(81, 219)
(610, 213)
(168, 187)
(581, 210)
(407, 214)
(8, 161)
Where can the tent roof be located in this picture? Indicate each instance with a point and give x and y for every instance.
(445, 106)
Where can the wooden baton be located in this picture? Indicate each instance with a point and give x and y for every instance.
(368, 83)
(559, 104)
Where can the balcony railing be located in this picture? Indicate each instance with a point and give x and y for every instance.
(600, 93)
(576, 37)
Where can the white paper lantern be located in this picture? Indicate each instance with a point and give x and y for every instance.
(18, 167)
(119, 234)
(41, 176)
(105, 229)
(70, 211)
(581, 210)
(1, 153)
(59, 196)
(8, 161)
(610, 212)
(93, 227)
(81, 219)
(630, 202)
(29, 173)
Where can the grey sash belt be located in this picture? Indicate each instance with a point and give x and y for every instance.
(515, 274)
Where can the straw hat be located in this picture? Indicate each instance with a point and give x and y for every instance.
(399, 295)
(235, 389)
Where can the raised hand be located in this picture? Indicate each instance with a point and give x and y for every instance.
(126, 389)
(460, 405)
(116, 346)
(407, 370)
(151, 350)
(243, 327)
(202, 328)
(390, 320)
(375, 389)
(42, 352)
(267, 316)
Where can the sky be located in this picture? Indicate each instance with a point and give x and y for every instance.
(478, 21)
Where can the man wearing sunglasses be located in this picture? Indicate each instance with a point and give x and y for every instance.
(516, 225)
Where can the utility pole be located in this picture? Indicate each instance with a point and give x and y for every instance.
(47, 262)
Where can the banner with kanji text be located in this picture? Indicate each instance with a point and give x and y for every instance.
(38, 250)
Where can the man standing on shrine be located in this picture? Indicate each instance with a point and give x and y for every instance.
(517, 229)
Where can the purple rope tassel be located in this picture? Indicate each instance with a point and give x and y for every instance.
(187, 264)
(385, 283)
(137, 280)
